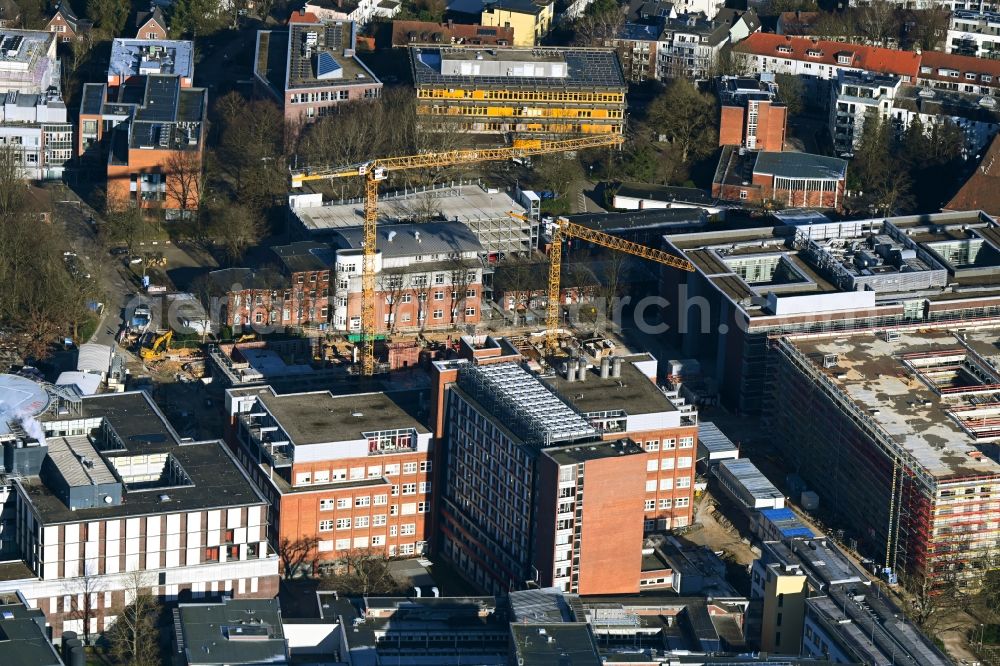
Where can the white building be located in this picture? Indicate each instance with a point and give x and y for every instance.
(854, 97)
(33, 118)
(359, 11)
(977, 116)
(974, 33)
(112, 493)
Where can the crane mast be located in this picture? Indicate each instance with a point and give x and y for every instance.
(377, 170)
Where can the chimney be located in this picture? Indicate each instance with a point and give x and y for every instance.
(570, 369)
(605, 367)
(581, 369)
(451, 24)
(616, 367)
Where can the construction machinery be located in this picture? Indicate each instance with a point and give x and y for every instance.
(158, 347)
(561, 228)
(378, 170)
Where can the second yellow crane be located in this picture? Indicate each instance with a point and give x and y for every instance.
(378, 170)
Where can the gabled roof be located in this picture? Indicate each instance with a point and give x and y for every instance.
(155, 15)
(9, 11)
(870, 58)
(302, 16)
(933, 62)
(982, 190)
(63, 9)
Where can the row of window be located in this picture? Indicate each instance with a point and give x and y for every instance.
(668, 444)
(361, 522)
(364, 542)
(667, 483)
(683, 462)
(666, 503)
(358, 473)
(408, 298)
(521, 95)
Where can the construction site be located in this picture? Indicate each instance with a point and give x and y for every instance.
(894, 429)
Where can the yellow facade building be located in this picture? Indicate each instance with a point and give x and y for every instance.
(530, 20)
(784, 607)
(545, 92)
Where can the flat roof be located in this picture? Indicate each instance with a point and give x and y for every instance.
(131, 57)
(633, 392)
(217, 480)
(332, 50)
(305, 256)
(800, 165)
(23, 640)
(464, 203)
(582, 453)
(587, 69)
(320, 417)
(713, 439)
(236, 631)
(410, 240)
(890, 381)
(564, 644)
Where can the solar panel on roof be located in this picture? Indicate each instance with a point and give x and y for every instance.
(327, 67)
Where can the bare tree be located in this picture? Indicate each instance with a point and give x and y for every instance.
(293, 554)
(425, 208)
(82, 592)
(517, 278)
(459, 289)
(393, 283)
(877, 20)
(184, 180)
(362, 572)
(236, 227)
(134, 637)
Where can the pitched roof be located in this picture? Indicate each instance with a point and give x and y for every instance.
(9, 10)
(870, 58)
(155, 14)
(932, 62)
(982, 190)
(67, 13)
(302, 16)
(406, 240)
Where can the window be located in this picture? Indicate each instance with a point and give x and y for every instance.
(650, 504)
(470, 293)
(343, 544)
(409, 508)
(361, 521)
(323, 476)
(406, 549)
(212, 554)
(425, 465)
(374, 472)
(743, 194)
(683, 462)
(667, 463)
(378, 520)
(682, 502)
(687, 442)
(651, 465)
(344, 503)
(423, 507)
(438, 295)
(651, 486)
(407, 529)
(326, 525)
(357, 473)
(303, 478)
(438, 279)
(362, 501)
(326, 505)
(424, 486)
(669, 444)
(409, 489)
(378, 540)
(683, 481)
(391, 470)
(343, 523)
(380, 500)
(392, 530)
(395, 491)
(653, 445)
(338, 474)
(665, 503)
(410, 468)
(394, 510)
(470, 312)
(666, 484)
(439, 314)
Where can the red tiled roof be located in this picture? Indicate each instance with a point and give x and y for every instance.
(870, 58)
(982, 190)
(428, 32)
(937, 60)
(302, 16)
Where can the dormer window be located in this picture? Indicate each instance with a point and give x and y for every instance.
(845, 58)
(813, 53)
(784, 49)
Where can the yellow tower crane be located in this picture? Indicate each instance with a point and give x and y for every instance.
(378, 170)
(564, 228)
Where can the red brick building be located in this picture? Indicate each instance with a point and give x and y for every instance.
(65, 23)
(781, 179)
(573, 459)
(752, 117)
(297, 296)
(353, 472)
(404, 33)
(151, 24)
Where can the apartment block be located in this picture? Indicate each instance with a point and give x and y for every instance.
(543, 91)
(973, 33)
(537, 509)
(856, 97)
(33, 120)
(428, 276)
(404, 33)
(311, 68)
(110, 492)
(752, 115)
(355, 11)
(353, 471)
(146, 125)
